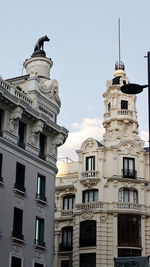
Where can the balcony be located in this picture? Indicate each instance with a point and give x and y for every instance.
(65, 247)
(89, 206)
(125, 112)
(129, 173)
(128, 206)
(90, 174)
(67, 213)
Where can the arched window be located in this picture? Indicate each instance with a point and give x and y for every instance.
(90, 195)
(67, 236)
(128, 195)
(87, 233)
(68, 202)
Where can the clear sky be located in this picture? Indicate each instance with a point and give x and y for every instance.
(84, 49)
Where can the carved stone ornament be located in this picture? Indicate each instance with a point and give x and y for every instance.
(90, 182)
(87, 215)
(103, 218)
(16, 113)
(51, 88)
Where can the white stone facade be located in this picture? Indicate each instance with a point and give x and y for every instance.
(109, 184)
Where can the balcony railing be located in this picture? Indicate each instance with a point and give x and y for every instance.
(67, 213)
(40, 243)
(129, 173)
(17, 235)
(125, 112)
(90, 174)
(65, 247)
(89, 206)
(128, 205)
(20, 187)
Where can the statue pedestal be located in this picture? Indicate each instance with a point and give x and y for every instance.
(39, 65)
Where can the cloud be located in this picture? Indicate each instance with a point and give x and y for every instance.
(87, 128)
(144, 136)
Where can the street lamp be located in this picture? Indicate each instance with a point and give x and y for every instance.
(132, 88)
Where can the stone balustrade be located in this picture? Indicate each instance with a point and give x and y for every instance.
(14, 91)
(90, 174)
(125, 112)
(89, 206)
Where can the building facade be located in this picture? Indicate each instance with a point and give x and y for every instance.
(29, 137)
(103, 199)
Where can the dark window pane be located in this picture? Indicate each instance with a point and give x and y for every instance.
(125, 252)
(1, 118)
(17, 223)
(67, 237)
(109, 106)
(65, 264)
(128, 195)
(20, 176)
(124, 104)
(90, 163)
(129, 168)
(21, 133)
(88, 233)
(42, 143)
(1, 159)
(15, 262)
(38, 265)
(88, 260)
(129, 230)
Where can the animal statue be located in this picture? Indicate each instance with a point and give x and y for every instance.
(40, 43)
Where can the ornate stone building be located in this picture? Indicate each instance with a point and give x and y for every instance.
(103, 200)
(29, 137)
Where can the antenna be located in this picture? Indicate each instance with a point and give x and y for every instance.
(119, 39)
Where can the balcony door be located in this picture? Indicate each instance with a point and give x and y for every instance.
(129, 168)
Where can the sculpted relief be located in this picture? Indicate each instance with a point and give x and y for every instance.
(51, 88)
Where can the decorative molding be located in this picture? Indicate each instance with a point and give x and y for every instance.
(87, 215)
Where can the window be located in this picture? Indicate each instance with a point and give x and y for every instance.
(1, 160)
(129, 168)
(68, 202)
(20, 177)
(90, 195)
(15, 262)
(128, 195)
(129, 230)
(88, 233)
(38, 264)
(88, 260)
(41, 187)
(128, 252)
(90, 163)
(17, 224)
(42, 144)
(21, 134)
(65, 264)
(67, 237)
(124, 104)
(109, 107)
(39, 232)
(1, 118)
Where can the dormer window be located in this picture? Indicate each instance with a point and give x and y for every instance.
(109, 107)
(124, 104)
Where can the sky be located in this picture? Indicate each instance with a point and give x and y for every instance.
(84, 48)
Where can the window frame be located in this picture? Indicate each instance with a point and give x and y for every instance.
(16, 256)
(18, 224)
(90, 163)
(41, 187)
(39, 232)
(87, 192)
(129, 172)
(42, 146)
(124, 104)
(122, 195)
(70, 199)
(88, 233)
(1, 166)
(20, 177)
(67, 233)
(21, 134)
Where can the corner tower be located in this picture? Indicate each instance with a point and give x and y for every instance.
(120, 117)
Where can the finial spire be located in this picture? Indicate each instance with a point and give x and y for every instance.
(120, 65)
